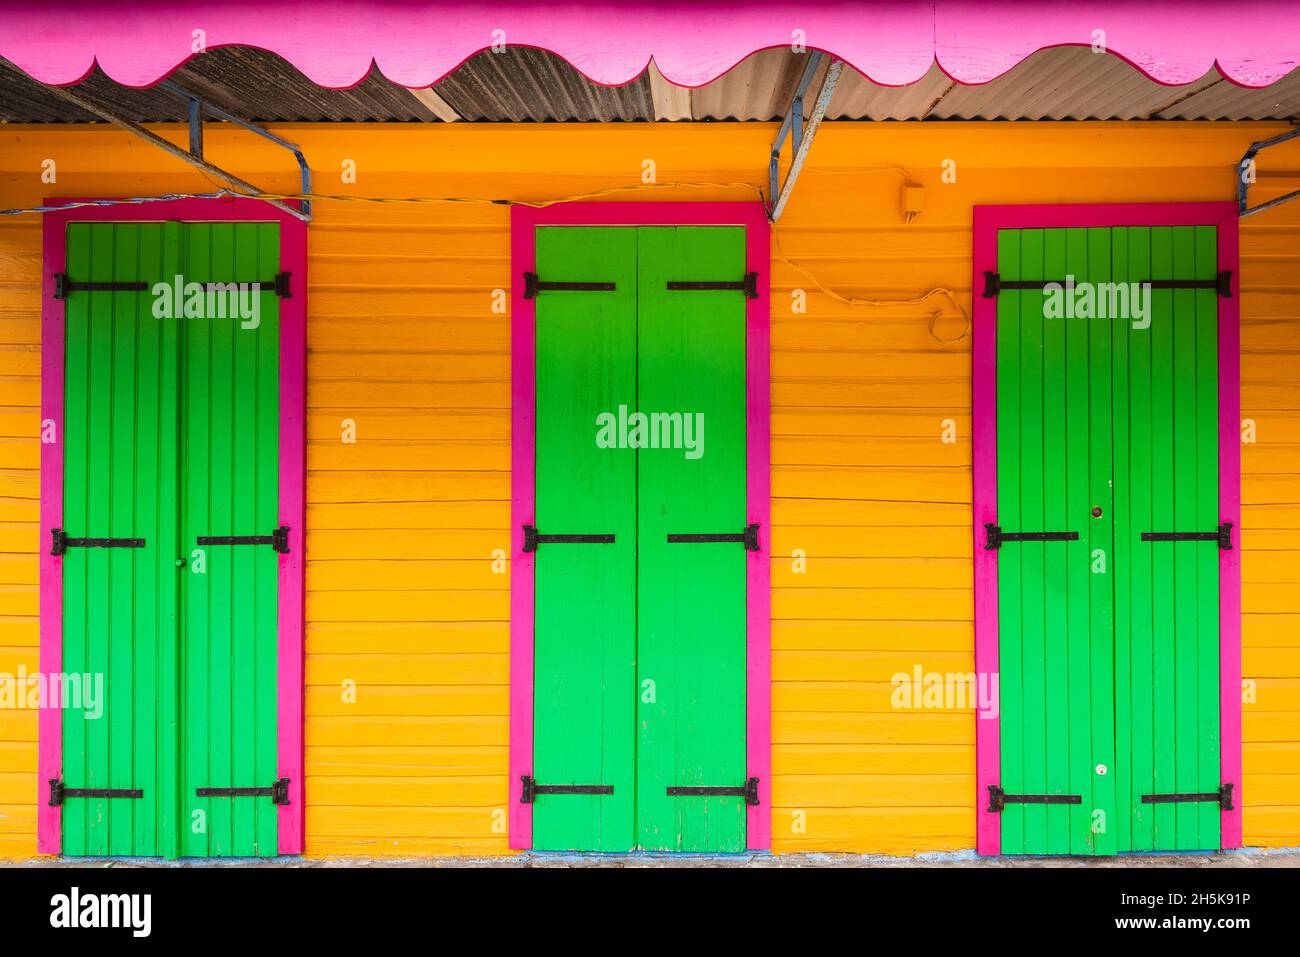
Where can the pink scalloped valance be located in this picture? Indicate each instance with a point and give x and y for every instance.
(334, 42)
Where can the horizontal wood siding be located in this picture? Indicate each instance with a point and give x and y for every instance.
(403, 602)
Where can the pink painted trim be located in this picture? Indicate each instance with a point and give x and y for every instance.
(1230, 730)
(988, 220)
(758, 720)
(293, 351)
(49, 722)
(891, 42)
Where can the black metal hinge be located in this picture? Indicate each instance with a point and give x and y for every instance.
(1222, 283)
(998, 799)
(749, 536)
(1221, 797)
(277, 792)
(59, 792)
(533, 538)
(994, 536)
(748, 285)
(63, 285)
(62, 542)
(749, 791)
(534, 287)
(1222, 535)
(278, 540)
(532, 789)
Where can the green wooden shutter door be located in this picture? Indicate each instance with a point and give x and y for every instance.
(230, 450)
(159, 447)
(691, 596)
(1167, 593)
(119, 604)
(584, 640)
(639, 646)
(1108, 645)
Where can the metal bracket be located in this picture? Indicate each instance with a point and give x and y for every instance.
(58, 792)
(1221, 797)
(197, 107)
(1222, 535)
(532, 538)
(533, 287)
(801, 137)
(749, 791)
(62, 542)
(278, 540)
(994, 536)
(748, 285)
(749, 537)
(531, 789)
(277, 792)
(1221, 283)
(1243, 210)
(998, 799)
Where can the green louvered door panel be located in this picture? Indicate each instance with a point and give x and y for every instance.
(584, 638)
(639, 645)
(171, 432)
(119, 604)
(1108, 644)
(691, 596)
(1167, 593)
(229, 481)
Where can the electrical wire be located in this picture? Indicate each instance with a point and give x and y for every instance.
(225, 193)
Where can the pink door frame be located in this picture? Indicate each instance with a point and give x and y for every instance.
(523, 223)
(988, 220)
(293, 369)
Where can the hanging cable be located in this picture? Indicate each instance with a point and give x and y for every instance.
(225, 193)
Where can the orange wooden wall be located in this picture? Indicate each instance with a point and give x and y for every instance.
(403, 599)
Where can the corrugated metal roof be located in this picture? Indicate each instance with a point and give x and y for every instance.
(1063, 83)
(245, 81)
(523, 84)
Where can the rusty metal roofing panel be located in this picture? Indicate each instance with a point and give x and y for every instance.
(521, 84)
(759, 87)
(1223, 99)
(248, 82)
(1065, 83)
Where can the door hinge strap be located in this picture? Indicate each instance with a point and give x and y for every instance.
(748, 790)
(533, 287)
(59, 791)
(994, 536)
(749, 537)
(998, 799)
(278, 540)
(532, 789)
(1221, 283)
(63, 285)
(1221, 797)
(533, 538)
(62, 542)
(277, 792)
(1223, 535)
(748, 285)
